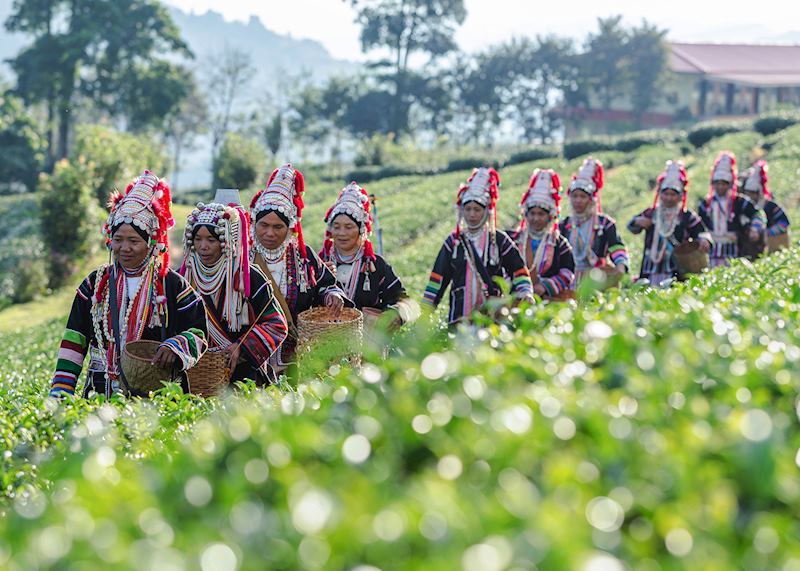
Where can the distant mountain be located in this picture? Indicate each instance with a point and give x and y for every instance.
(208, 34)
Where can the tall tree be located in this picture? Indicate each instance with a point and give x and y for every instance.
(605, 59)
(273, 134)
(75, 51)
(404, 28)
(648, 67)
(229, 73)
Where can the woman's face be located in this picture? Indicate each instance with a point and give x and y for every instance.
(128, 247)
(271, 231)
(207, 246)
(753, 195)
(721, 187)
(473, 213)
(346, 234)
(670, 198)
(580, 200)
(537, 218)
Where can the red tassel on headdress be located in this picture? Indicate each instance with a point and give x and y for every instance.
(598, 183)
(761, 165)
(369, 252)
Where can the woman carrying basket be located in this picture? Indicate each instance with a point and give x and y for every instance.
(245, 321)
(666, 225)
(547, 253)
(756, 189)
(134, 297)
(592, 234)
(732, 219)
(298, 277)
(476, 253)
(366, 278)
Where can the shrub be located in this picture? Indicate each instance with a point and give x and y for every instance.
(469, 163)
(580, 147)
(116, 158)
(702, 133)
(23, 269)
(533, 154)
(21, 143)
(369, 174)
(70, 216)
(772, 123)
(633, 141)
(240, 162)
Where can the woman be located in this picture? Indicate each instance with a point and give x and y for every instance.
(476, 253)
(298, 277)
(730, 218)
(755, 188)
(547, 253)
(666, 225)
(136, 296)
(365, 277)
(592, 235)
(244, 319)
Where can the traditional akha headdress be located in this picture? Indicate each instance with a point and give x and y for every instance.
(230, 223)
(756, 179)
(283, 194)
(481, 187)
(544, 191)
(590, 180)
(673, 177)
(353, 201)
(146, 205)
(724, 169)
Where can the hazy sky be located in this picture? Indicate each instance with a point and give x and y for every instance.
(492, 21)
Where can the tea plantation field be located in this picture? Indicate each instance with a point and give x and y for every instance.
(643, 430)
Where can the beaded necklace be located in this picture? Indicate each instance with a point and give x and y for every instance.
(356, 261)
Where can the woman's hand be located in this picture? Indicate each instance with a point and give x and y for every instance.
(705, 246)
(539, 290)
(331, 266)
(163, 358)
(754, 235)
(233, 351)
(335, 302)
(643, 222)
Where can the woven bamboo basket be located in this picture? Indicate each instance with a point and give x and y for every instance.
(779, 242)
(211, 375)
(751, 250)
(317, 323)
(141, 375)
(610, 274)
(690, 258)
(564, 295)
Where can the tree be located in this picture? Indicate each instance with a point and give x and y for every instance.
(109, 58)
(605, 58)
(22, 144)
(70, 217)
(240, 162)
(273, 132)
(183, 124)
(229, 72)
(648, 66)
(405, 28)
